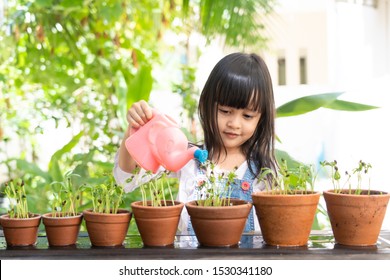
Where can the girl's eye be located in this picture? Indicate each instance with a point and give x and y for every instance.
(223, 111)
(248, 117)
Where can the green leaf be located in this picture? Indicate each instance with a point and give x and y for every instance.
(186, 5)
(140, 86)
(348, 106)
(55, 170)
(291, 162)
(111, 12)
(72, 3)
(306, 104)
(32, 169)
(104, 165)
(44, 3)
(69, 146)
(121, 93)
(230, 18)
(54, 167)
(313, 102)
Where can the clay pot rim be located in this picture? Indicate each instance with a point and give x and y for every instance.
(278, 194)
(376, 193)
(49, 216)
(192, 203)
(34, 217)
(121, 212)
(138, 204)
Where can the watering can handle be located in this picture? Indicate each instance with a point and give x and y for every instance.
(170, 121)
(133, 129)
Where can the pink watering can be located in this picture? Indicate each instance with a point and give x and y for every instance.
(160, 142)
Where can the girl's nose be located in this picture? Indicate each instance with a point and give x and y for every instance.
(234, 121)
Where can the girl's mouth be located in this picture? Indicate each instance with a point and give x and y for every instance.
(231, 135)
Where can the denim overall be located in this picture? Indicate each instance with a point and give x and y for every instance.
(239, 191)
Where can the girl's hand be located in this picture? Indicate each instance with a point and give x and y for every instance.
(139, 114)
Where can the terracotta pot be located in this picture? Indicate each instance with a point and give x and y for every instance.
(20, 232)
(356, 220)
(157, 225)
(219, 226)
(62, 231)
(286, 220)
(107, 229)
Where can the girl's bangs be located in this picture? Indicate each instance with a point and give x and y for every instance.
(239, 92)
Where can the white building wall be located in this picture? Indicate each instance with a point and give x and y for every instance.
(361, 42)
(344, 42)
(296, 38)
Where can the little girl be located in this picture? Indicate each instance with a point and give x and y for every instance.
(237, 113)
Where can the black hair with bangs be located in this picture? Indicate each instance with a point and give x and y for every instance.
(240, 81)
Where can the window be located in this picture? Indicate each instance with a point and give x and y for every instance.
(282, 71)
(302, 70)
(370, 3)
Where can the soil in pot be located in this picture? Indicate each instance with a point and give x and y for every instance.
(157, 225)
(286, 220)
(62, 231)
(356, 220)
(20, 232)
(107, 229)
(219, 226)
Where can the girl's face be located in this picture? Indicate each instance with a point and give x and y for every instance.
(236, 126)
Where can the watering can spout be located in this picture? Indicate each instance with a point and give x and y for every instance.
(175, 160)
(201, 155)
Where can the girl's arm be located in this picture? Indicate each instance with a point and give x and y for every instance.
(128, 180)
(125, 162)
(131, 181)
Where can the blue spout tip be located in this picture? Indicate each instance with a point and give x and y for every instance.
(201, 155)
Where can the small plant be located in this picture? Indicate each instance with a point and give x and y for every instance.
(16, 194)
(288, 180)
(361, 170)
(66, 199)
(155, 190)
(215, 189)
(106, 197)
